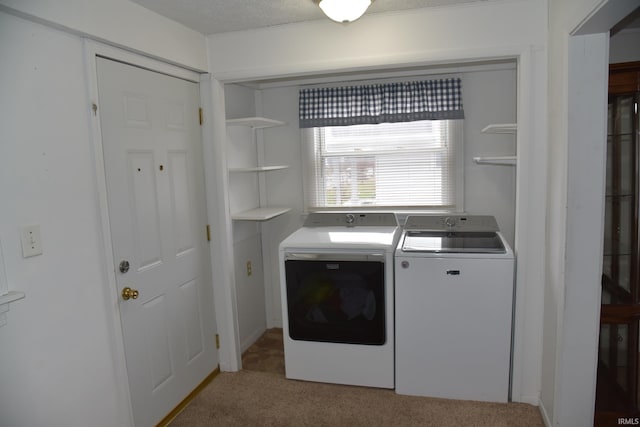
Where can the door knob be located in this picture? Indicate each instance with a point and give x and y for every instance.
(128, 293)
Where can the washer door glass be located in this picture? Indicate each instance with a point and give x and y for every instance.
(336, 301)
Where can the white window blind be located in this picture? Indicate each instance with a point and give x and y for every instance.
(386, 165)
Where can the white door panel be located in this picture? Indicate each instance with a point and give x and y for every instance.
(155, 192)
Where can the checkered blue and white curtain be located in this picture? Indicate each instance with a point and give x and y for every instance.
(381, 103)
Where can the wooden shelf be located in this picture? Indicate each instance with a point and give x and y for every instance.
(255, 122)
(259, 169)
(501, 128)
(496, 160)
(260, 214)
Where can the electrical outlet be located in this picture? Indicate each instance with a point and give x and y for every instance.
(249, 271)
(31, 241)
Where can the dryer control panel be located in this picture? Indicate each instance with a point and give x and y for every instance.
(354, 219)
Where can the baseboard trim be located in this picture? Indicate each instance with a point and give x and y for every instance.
(185, 402)
(545, 415)
(252, 338)
(530, 400)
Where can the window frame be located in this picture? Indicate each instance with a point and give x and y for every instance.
(311, 175)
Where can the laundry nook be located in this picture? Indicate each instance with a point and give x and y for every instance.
(361, 211)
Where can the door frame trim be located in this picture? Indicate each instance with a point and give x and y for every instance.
(92, 50)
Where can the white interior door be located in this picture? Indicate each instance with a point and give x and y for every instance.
(155, 191)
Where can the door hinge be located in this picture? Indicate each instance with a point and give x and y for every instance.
(208, 233)
(217, 341)
(94, 107)
(200, 116)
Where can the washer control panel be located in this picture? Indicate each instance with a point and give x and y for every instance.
(453, 222)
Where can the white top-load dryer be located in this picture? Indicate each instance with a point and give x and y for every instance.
(454, 297)
(336, 276)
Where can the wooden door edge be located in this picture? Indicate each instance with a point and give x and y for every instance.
(185, 402)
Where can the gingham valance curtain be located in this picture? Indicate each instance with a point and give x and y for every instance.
(381, 103)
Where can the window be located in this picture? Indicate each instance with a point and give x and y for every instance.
(383, 145)
(387, 165)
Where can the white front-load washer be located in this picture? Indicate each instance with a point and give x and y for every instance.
(454, 280)
(336, 276)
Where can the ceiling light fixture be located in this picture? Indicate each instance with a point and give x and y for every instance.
(344, 10)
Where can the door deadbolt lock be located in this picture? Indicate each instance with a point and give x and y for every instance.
(128, 293)
(405, 264)
(124, 266)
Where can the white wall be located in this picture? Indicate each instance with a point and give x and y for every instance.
(430, 37)
(59, 363)
(57, 366)
(121, 23)
(244, 194)
(284, 188)
(488, 97)
(623, 46)
(383, 40)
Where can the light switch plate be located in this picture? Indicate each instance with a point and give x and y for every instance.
(31, 241)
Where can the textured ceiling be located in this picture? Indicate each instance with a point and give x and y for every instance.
(220, 16)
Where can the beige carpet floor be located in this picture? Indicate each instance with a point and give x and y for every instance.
(266, 354)
(264, 397)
